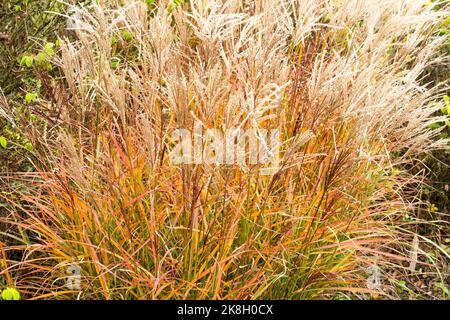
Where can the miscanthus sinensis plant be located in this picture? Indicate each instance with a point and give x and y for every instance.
(341, 81)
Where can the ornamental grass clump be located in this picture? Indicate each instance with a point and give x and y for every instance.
(339, 81)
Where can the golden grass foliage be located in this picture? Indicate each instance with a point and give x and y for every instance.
(339, 79)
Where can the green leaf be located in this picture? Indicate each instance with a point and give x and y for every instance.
(30, 97)
(173, 4)
(10, 294)
(434, 126)
(27, 60)
(115, 62)
(41, 58)
(127, 36)
(3, 142)
(401, 286)
(28, 146)
(48, 49)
